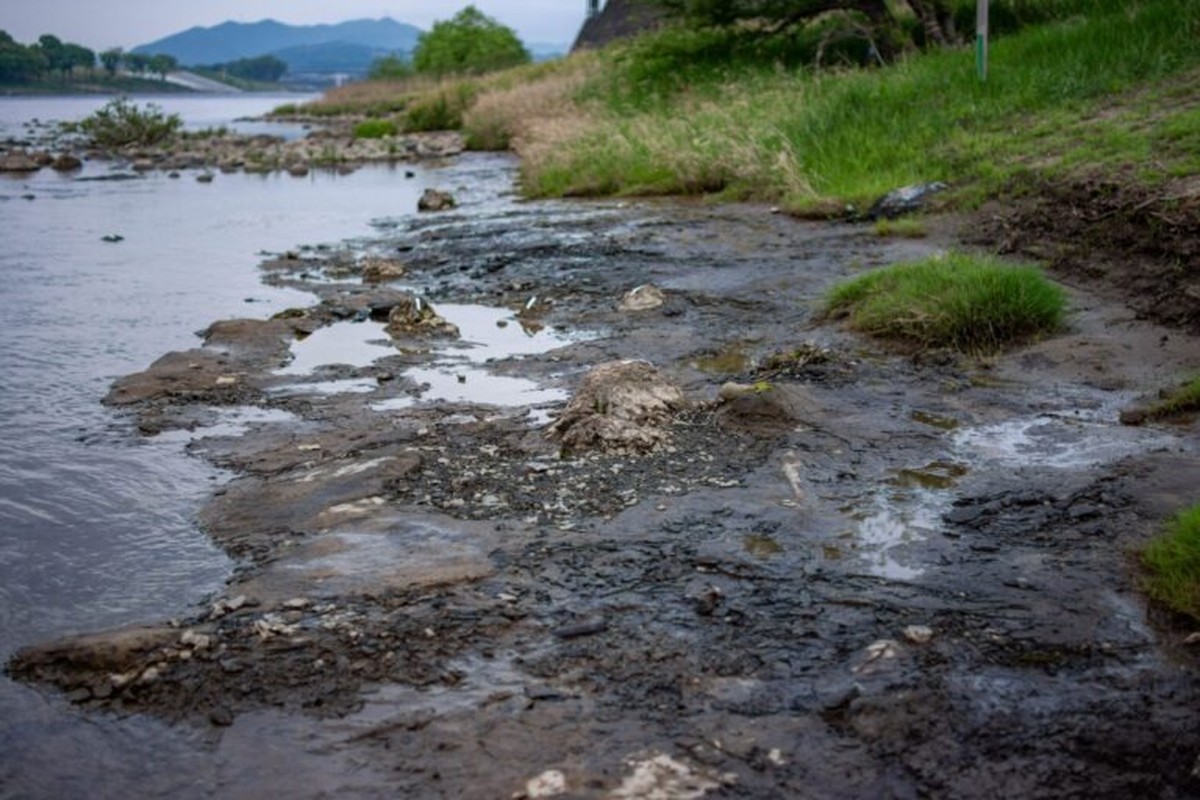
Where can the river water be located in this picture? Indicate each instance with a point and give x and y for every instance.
(97, 525)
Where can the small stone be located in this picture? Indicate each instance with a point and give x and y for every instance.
(297, 603)
(918, 634)
(205, 177)
(80, 695)
(643, 298)
(221, 717)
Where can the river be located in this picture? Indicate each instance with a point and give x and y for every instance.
(97, 525)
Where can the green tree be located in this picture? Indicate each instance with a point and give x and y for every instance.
(470, 43)
(136, 62)
(160, 64)
(55, 53)
(18, 63)
(390, 67)
(77, 56)
(111, 59)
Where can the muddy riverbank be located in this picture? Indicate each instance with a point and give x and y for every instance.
(882, 575)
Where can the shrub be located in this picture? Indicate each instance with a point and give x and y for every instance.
(966, 302)
(1172, 560)
(121, 123)
(441, 109)
(375, 129)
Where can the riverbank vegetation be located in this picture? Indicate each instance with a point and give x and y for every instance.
(970, 303)
(51, 66)
(1172, 560)
(728, 110)
(1184, 399)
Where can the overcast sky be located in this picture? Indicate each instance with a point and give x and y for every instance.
(101, 24)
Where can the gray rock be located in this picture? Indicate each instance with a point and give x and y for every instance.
(436, 200)
(18, 162)
(905, 200)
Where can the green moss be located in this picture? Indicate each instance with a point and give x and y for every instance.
(966, 302)
(1172, 560)
(903, 228)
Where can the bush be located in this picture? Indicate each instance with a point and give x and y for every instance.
(965, 302)
(1182, 400)
(441, 109)
(469, 43)
(375, 129)
(1173, 561)
(121, 123)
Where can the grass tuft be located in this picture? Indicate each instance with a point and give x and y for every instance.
(1173, 562)
(966, 302)
(1182, 400)
(375, 129)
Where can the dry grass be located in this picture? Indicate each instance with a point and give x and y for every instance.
(505, 117)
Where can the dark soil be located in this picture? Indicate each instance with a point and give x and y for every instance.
(913, 577)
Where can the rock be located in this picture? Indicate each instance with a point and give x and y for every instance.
(67, 162)
(436, 200)
(381, 271)
(550, 783)
(765, 405)
(905, 200)
(204, 177)
(412, 316)
(918, 634)
(143, 165)
(620, 406)
(18, 162)
(43, 159)
(112, 238)
(298, 171)
(642, 298)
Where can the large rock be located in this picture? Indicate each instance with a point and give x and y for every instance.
(412, 316)
(378, 270)
(621, 406)
(18, 162)
(67, 162)
(765, 407)
(436, 200)
(905, 200)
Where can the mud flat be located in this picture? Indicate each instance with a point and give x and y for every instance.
(866, 573)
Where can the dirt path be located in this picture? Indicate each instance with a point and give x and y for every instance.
(911, 579)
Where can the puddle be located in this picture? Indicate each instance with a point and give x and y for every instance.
(327, 388)
(733, 360)
(231, 421)
(761, 546)
(466, 384)
(1071, 440)
(357, 344)
(885, 531)
(938, 475)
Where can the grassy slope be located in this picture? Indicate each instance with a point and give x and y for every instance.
(1050, 105)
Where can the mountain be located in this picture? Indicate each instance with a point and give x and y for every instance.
(230, 41)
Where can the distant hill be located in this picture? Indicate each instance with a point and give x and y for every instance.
(344, 47)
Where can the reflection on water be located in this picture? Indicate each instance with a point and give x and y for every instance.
(97, 526)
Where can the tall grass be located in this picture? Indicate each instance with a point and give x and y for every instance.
(1172, 560)
(795, 136)
(970, 303)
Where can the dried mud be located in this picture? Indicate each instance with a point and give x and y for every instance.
(912, 579)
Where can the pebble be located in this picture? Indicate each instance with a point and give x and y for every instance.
(918, 634)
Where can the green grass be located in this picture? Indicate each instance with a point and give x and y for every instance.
(971, 303)
(375, 129)
(902, 228)
(1182, 400)
(1172, 560)
(798, 137)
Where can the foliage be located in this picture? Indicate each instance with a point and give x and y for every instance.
(392, 67)
(966, 302)
(469, 43)
(262, 69)
(121, 123)
(803, 138)
(375, 129)
(1172, 560)
(441, 109)
(111, 60)
(18, 63)
(160, 64)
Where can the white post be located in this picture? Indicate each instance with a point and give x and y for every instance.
(981, 39)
